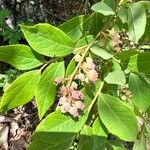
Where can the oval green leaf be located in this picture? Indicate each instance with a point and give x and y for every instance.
(19, 56)
(140, 89)
(99, 135)
(117, 117)
(140, 63)
(136, 20)
(101, 52)
(48, 40)
(116, 77)
(103, 8)
(86, 139)
(21, 91)
(45, 92)
(76, 26)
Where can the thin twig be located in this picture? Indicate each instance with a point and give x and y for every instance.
(95, 98)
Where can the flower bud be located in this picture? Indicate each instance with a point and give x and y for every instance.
(89, 63)
(74, 111)
(80, 77)
(92, 75)
(79, 105)
(62, 100)
(77, 57)
(63, 90)
(74, 85)
(77, 94)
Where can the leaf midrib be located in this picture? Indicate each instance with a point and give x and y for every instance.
(116, 115)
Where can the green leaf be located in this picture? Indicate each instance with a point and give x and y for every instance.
(115, 146)
(76, 26)
(86, 140)
(101, 52)
(19, 56)
(110, 3)
(84, 41)
(48, 40)
(96, 24)
(124, 55)
(136, 21)
(45, 92)
(103, 8)
(57, 130)
(140, 144)
(140, 63)
(116, 77)
(70, 68)
(21, 91)
(99, 135)
(116, 66)
(123, 14)
(117, 117)
(140, 90)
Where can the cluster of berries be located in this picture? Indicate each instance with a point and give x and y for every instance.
(88, 70)
(125, 93)
(70, 97)
(71, 100)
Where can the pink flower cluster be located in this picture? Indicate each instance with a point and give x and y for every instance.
(71, 100)
(89, 72)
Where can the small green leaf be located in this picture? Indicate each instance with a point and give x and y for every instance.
(103, 8)
(20, 56)
(117, 117)
(116, 77)
(70, 68)
(115, 146)
(146, 35)
(96, 24)
(140, 63)
(45, 92)
(123, 14)
(136, 20)
(110, 3)
(84, 41)
(86, 140)
(48, 40)
(140, 90)
(140, 144)
(76, 26)
(21, 91)
(124, 55)
(101, 52)
(99, 135)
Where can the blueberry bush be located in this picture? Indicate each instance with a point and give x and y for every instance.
(89, 76)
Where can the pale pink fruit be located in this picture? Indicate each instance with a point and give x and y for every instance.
(79, 105)
(74, 111)
(89, 63)
(80, 77)
(62, 100)
(92, 75)
(77, 94)
(77, 57)
(74, 85)
(63, 90)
